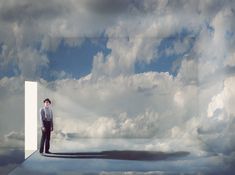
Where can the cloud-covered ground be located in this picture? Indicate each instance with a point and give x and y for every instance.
(163, 70)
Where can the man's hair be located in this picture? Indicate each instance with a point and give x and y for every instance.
(47, 99)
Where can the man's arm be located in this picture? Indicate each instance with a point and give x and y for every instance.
(51, 120)
(42, 113)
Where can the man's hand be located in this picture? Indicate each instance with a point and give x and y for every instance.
(51, 128)
(43, 129)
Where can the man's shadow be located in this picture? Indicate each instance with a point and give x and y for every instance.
(120, 155)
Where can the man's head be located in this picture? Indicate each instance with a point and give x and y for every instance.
(47, 102)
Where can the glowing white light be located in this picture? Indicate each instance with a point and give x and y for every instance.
(30, 118)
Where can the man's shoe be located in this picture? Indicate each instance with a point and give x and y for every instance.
(48, 152)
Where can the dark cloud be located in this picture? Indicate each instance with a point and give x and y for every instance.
(107, 6)
(230, 70)
(230, 161)
(120, 6)
(30, 9)
(25, 10)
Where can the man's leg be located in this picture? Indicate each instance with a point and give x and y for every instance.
(48, 136)
(42, 141)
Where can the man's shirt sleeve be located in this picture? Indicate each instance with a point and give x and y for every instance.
(51, 118)
(41, 114)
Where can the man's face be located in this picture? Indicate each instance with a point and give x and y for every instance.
(46, 104)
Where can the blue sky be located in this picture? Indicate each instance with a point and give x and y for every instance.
(164, 62)
(77, 60)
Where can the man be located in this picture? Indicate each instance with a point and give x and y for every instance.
(46, 119)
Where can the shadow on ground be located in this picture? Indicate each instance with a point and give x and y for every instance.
(120, 155)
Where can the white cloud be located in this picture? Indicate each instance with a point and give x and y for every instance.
(217, 123)
(215, 44)
(188, 72)
(135, 40)
(26, 62)
(31, 63)
(230, 61)
(224, 100)
(143, 105)
(6, 56)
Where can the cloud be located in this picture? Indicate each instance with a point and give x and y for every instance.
(24, 10)
(218, 122)
(188, 72)
(136, 40)
(13, 140)
(14, 135)
(214, 45)
(31, 63)
(133, 36)
(230, 61)
(129, 6)
(126, 106)
(223, 100)
(11, 151)
(58, 21)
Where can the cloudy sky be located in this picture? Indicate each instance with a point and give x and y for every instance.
(153, 69)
